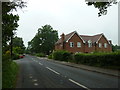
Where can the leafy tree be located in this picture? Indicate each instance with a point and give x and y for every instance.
(44, 40)
(18, 42)
(18, 46)
(102, 6)
(9, 22)
(18, 50)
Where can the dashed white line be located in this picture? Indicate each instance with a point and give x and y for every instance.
(40, 63)
(79, 84)
(30, 76)
(53, 70)
(36, 84)
(34, 80)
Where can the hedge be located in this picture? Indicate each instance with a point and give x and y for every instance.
(40, 54)
(105, 60)
(98, 59)
(62, 55)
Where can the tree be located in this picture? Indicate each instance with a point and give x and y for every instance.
(18, 46)
(44, 40)
(115, 48)
(9, 22)
(102, 6)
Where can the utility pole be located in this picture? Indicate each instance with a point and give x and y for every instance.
(0, 45)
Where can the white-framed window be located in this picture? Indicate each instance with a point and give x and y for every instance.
(71, 44)
(105, 45)
(100, 45)
(89, 43)
(78, 44)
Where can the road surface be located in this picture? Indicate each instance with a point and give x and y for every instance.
(41, 73)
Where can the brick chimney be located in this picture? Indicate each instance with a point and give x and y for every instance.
(63, 37)
(110, 41)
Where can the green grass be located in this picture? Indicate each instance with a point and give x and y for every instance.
(9, 73)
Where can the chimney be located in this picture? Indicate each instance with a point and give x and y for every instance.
(110, 41)
(63, 37)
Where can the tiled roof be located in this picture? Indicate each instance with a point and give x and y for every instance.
(67, 36)
(92, 38)
(84, 37)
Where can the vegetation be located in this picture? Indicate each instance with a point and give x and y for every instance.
(115, 48)
(104, 60)
(18, 47)
(61, 55)
(40, 54)
(44, 40)
(9, 71)
(102, 6)
(9, 26)
(99, 59)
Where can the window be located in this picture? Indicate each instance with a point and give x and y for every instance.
(78, 44)
(71, 44)
(89, 43)
(100, 45)
(105, 45)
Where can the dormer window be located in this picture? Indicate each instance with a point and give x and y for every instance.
(89, 43)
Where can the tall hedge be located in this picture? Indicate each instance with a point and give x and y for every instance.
(99, 59)
(62, 55)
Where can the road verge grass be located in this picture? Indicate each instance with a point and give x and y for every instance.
(9, 73)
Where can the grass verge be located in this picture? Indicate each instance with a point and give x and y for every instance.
(9, 73)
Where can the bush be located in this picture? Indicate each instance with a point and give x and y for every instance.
(62, 55)
(15, 56)
(40, 54)
(50, 56)
(99, 59)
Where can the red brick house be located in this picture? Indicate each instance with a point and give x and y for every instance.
(73, 42)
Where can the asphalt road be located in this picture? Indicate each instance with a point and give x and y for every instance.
(41, 73)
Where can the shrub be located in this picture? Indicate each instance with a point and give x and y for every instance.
(40, 54)
(6, 57)
(99, 59)
(62, 55)
(50, 56)
(15, 56)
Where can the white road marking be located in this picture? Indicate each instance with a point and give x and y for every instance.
(79, 84)
(34, 80)
(38, 57)
(40, 63)
(30, 76)
(53, 70)
(36, 84)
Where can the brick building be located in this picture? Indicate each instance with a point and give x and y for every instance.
(73, 42)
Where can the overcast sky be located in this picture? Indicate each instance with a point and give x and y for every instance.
(67, 16)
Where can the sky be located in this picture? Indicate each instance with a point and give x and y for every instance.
(66, 16)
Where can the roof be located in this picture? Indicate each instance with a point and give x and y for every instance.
(94, 38)
(85, 38)
(67, 36)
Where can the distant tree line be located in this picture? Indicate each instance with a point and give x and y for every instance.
(115, 48)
